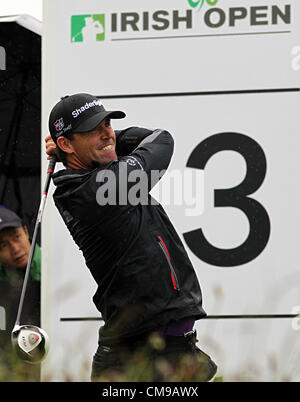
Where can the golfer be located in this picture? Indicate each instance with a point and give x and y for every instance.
(148, 292)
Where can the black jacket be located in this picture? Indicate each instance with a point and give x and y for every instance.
(144, 275)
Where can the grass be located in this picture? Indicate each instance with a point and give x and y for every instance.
(139, 367)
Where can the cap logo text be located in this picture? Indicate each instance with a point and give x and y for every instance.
(83, 108)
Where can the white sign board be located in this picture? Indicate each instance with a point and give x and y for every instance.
(223, 77)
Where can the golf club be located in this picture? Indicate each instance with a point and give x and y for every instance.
(30, 342)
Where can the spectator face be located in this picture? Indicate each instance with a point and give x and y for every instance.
(14, 247)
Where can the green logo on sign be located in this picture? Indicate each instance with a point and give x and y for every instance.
(196, 3)
(88, 28)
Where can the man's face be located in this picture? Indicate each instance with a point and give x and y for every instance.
(14, 247)
(98, 145)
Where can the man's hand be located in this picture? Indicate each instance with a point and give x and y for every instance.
(50, 147)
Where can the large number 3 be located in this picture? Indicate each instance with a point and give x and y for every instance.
(237, 197)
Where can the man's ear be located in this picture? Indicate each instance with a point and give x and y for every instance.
(65, 144)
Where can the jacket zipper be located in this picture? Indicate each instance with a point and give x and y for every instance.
(168, 258)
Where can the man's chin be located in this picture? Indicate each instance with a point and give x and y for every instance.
(21, 265)
(95, 164)
(103, 160)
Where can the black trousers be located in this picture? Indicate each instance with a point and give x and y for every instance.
(153, 357)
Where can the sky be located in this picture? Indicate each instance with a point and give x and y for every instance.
(31, 7)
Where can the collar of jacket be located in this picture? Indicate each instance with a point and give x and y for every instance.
(64, 175)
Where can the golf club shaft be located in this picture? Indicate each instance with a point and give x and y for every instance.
(50, 170)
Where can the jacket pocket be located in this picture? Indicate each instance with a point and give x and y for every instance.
(166, 253)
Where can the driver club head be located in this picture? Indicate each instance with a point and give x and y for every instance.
(30, 343)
